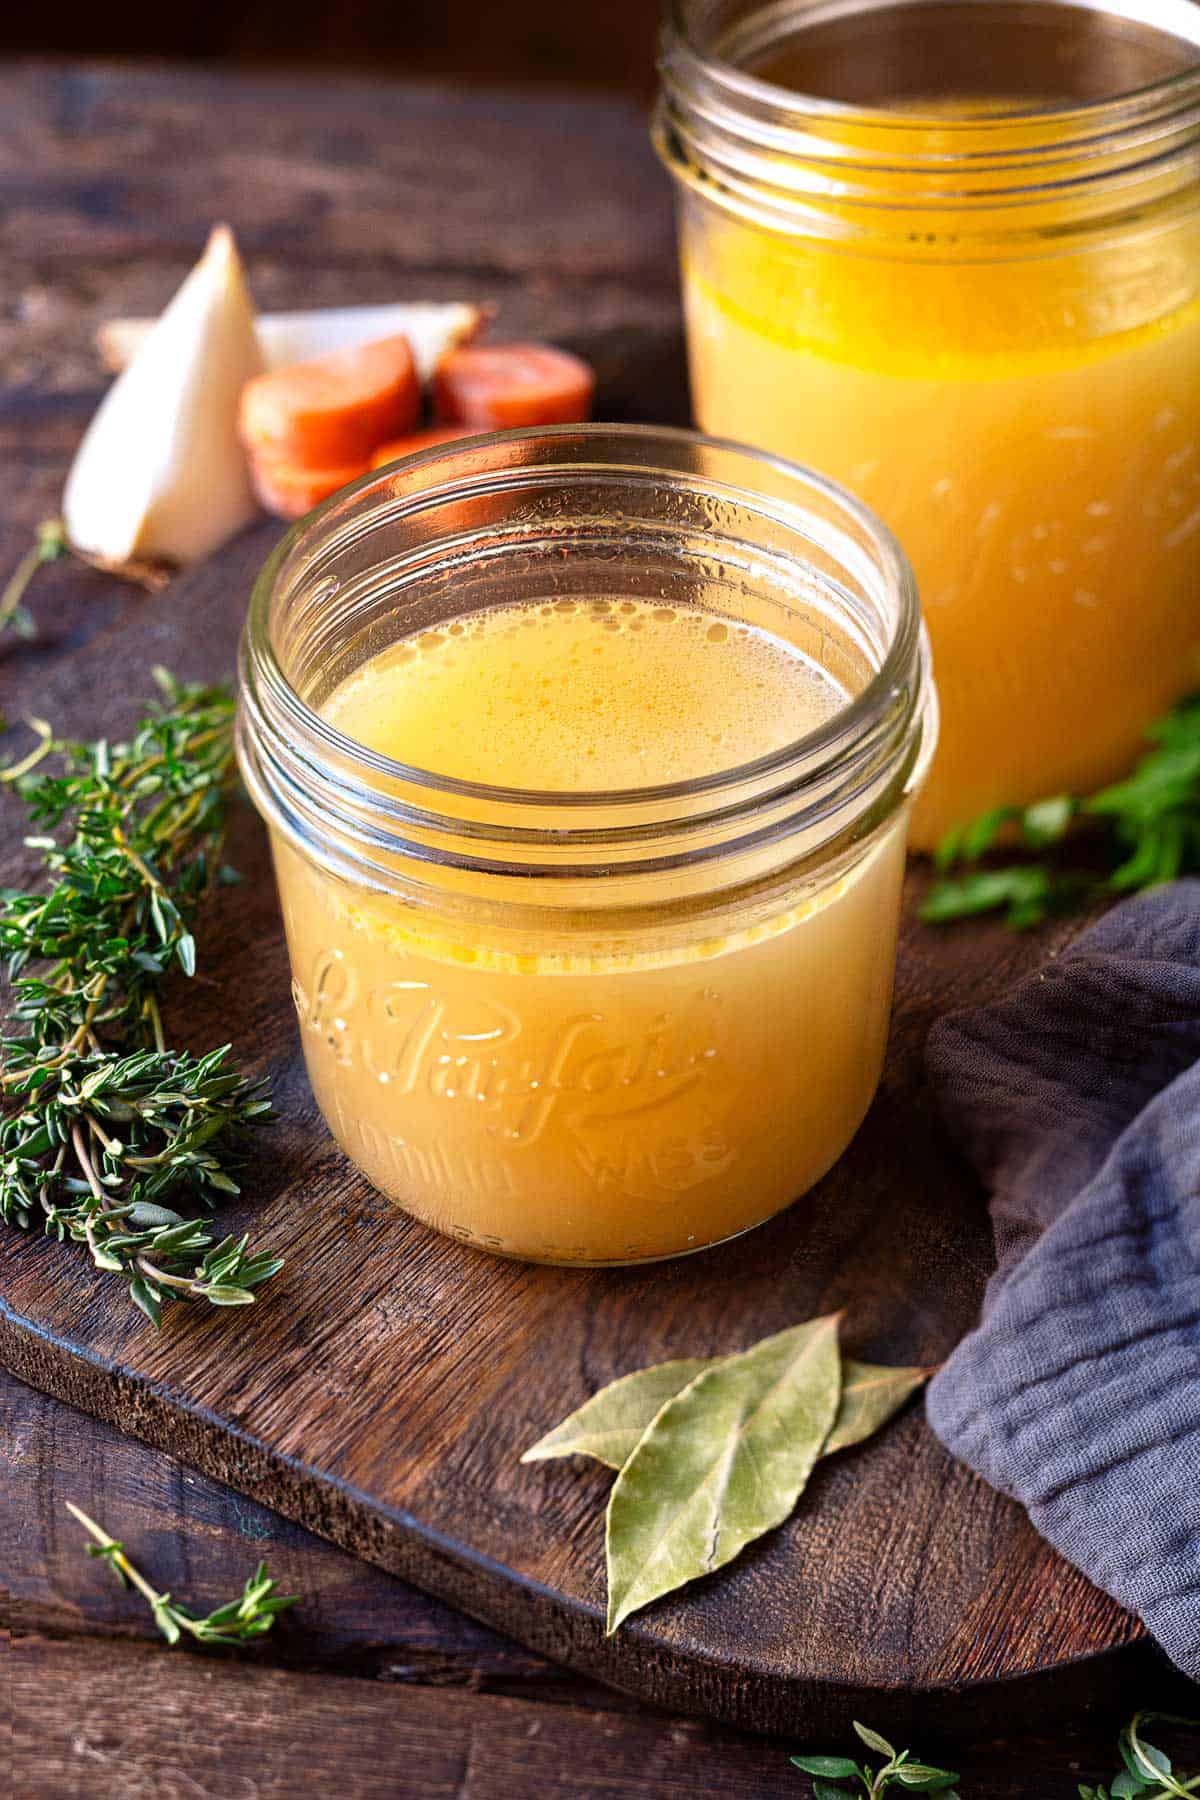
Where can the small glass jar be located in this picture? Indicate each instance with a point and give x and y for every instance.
(590, 1027)
(948, 253)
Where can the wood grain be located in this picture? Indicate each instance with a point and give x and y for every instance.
(383, 1641)
(199, 1540)
(127, 1729)
(383, 1388)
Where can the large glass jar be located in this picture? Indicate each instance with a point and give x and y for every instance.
(948, 253)
(590, 1027)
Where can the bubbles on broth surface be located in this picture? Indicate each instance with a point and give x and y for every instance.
(583, 694)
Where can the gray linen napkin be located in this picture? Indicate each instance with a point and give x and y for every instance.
(1077, 1099)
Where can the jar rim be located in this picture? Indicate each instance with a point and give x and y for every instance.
(1184, 82)
(376, 820)
(813, 163)
(893, 564)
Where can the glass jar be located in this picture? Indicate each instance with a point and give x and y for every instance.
(948, 253)
(590, 1027)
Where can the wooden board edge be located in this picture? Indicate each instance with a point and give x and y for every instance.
(544, 1621)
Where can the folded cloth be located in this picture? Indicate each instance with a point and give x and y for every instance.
(1077, 1099)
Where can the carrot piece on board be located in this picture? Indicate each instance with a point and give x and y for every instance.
(337, 408)
(420, 440)
(498, 386)
(289, 490)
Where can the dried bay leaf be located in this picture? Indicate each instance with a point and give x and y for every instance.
(724, 1461)
(610, 1425)
(871, 1394)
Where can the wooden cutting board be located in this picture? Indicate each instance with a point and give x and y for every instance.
(382, 1389)
(384, 1386)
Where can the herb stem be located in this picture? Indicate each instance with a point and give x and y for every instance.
(1167, 1782)
(74, 1043)
(50, 542)
(249, 1616)
(114, 1552)
(85, 1163)
(131, 856)
(93, 1246)
(18, 770)
(184, 1283)
(18, 581)
(106, 1143)
(102, 1124)
(132, 778)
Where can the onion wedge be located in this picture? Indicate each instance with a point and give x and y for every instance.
(432, 327)
(160, 476)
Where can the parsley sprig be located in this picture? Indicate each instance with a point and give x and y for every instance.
(103, 1127)
(1143, 831)
(253, 1612)
(899, 1771)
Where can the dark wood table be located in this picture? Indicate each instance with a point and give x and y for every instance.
(340, 191)
(367, 1689)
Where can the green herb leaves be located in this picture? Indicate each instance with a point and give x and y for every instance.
(1147, 1773)
(253, 1612)
(713, 1452)
(102, 1126)
(899, 1771)
(1146, 829)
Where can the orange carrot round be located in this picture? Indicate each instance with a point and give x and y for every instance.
(336, 409)
(420, 440)
(496, 387)
(289, 490)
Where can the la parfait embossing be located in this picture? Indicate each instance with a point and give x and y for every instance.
(469, 1051)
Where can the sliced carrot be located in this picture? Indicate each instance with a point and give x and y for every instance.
(498, 386)
(289, 490)
(420, 440)
(337, 408)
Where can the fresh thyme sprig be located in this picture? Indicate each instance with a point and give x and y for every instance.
(50, 542)
(253, 1612)
(1147, 1773)
(1145, 830)
(103, 1126)
(898, 1770)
